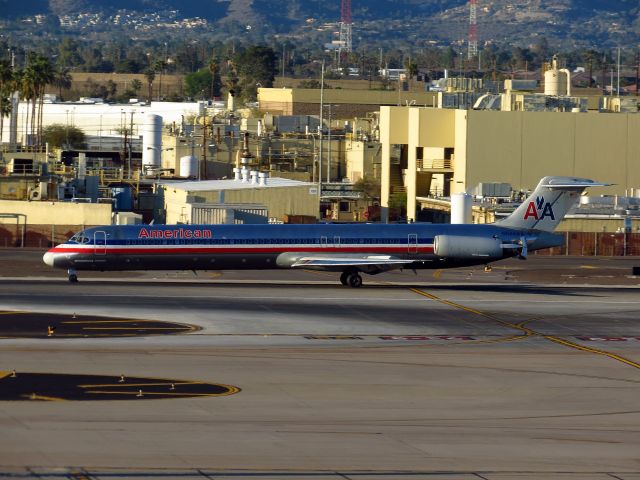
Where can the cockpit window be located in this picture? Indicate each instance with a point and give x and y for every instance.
(80, 238)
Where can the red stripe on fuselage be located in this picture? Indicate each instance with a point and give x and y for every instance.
(213, 250)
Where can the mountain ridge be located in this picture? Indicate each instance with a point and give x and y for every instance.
(611, 22)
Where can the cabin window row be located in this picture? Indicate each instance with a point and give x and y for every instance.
(275, 241)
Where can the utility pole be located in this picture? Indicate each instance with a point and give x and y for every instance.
(473, 29)
(321, 126)
(637, 72)
(130, 142)
(618, 88)
(204, 150)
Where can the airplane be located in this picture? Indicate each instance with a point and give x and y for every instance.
(351, 249)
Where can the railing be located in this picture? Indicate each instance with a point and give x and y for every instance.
(435, 164)
(6, 148)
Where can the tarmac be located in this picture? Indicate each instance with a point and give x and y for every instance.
(529, 371)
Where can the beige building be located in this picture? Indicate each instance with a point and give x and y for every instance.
(454, 150)
(344, 103)
(46, 223)
(282, 197)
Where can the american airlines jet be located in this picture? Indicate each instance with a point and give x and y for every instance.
(350, 249)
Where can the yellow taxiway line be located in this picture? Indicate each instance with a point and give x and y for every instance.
(528, 332)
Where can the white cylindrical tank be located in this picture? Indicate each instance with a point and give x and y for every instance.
(151, 141)
(189, 166)
(556, 81)
(552, 82)
(461, 207)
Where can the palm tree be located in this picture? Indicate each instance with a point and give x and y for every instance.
(38, 73)
(63, 80)
(150, 73)
(27, 89)
(213, 69)
(6, 77)
(159, 66)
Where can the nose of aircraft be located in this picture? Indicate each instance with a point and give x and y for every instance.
(48, 258)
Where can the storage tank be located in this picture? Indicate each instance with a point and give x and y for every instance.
(122, 198)
(557, 82)
(461, 207)
(189, 166)
(151, 142)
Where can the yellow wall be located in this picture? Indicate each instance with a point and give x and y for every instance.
(280, 201)
(609, 225)
(438, 127)
(57, 213)
(522, 147)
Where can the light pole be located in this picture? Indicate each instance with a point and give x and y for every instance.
(66, 130)
(320, 128)
(329, 106)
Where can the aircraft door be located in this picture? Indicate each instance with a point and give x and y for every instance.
(336, 242)
(412, 243)
(100, 243)
(323, 242)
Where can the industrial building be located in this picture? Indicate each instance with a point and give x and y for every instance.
(338, 103)
(256, 198)
(449, 151)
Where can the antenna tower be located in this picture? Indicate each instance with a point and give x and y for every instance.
(473, 29)
(345, 28)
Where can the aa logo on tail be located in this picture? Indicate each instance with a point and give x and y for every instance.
(539, 210)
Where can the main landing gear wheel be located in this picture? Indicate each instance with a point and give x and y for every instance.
(354, 280)
(344, 278)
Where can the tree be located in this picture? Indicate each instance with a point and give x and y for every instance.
(136, 85)
(216, 82)
(159, 66)
(68, 53)
(150, 74)
(197, 83)
(62, 80)
(58, 135)
(6, 89)
(370, 187)
(255, 66)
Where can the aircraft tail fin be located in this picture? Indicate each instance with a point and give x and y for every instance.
(549, 203)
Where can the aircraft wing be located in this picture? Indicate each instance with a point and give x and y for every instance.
(350, 261)
(364, 262)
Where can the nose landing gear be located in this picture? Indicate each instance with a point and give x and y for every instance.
(72, 275)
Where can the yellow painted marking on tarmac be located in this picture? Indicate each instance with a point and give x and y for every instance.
(109, 321)
(437, 273)
(44, 398)
(13, 313)
(589, 267)
(512, 338)
(164, 394)
(135, 328)
(230, 391)
(529, 332)
(596, 351)
(163, 384)
(4, 374)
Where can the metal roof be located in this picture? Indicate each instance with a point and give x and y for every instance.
(209, 185)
